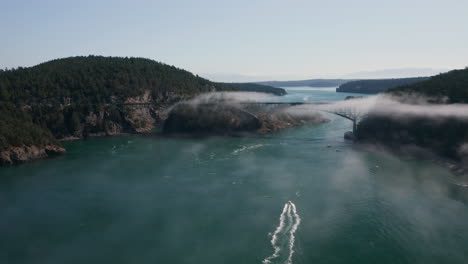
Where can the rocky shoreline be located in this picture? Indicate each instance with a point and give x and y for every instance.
(19, 155)
(222, 118)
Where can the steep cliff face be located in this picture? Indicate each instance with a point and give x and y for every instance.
(116, 119)
(143, 119)
(111, 122)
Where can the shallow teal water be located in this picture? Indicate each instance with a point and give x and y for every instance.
(149, 199)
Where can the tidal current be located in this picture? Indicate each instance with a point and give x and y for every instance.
(303, 195)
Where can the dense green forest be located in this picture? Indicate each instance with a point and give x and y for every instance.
(376, 86)
(452, 85)
(95, 79)
(53, 99)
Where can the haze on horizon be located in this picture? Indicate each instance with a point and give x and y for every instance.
(246, 40)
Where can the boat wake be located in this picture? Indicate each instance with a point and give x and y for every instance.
(283, 238)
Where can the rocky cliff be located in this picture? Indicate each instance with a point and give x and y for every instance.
(111, 119)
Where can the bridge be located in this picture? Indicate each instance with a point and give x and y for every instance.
(344, 112)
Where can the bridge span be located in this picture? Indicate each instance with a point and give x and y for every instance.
(346, 113)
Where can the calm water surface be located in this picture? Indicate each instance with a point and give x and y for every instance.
(147, 199)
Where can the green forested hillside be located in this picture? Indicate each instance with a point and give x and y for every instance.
(453, 85)
(56, 99)
(376, 86)
(94, 79)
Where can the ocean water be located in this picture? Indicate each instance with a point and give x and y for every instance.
(303, 195)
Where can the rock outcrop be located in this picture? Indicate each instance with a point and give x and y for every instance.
(18, 155)
(210, 119)
(131, 116)
(273, 120)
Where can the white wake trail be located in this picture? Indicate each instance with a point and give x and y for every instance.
(289, 223)
(274, 237)
(292, 238)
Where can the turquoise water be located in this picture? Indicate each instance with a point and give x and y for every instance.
(150, 199)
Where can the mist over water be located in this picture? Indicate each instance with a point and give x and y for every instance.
(400, 107)
(304, 191)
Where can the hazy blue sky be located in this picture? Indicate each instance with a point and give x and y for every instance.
(233, 39)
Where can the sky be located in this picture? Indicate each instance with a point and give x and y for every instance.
(245, 40)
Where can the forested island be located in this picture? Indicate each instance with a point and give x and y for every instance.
(307, 83)
(233, 118)
(78, 97)
(376, 86)
(447, 137)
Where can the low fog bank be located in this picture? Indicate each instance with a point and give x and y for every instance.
(401, 107)
(230, 98)
(231, 112)
(408, 105)
(411, 121)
